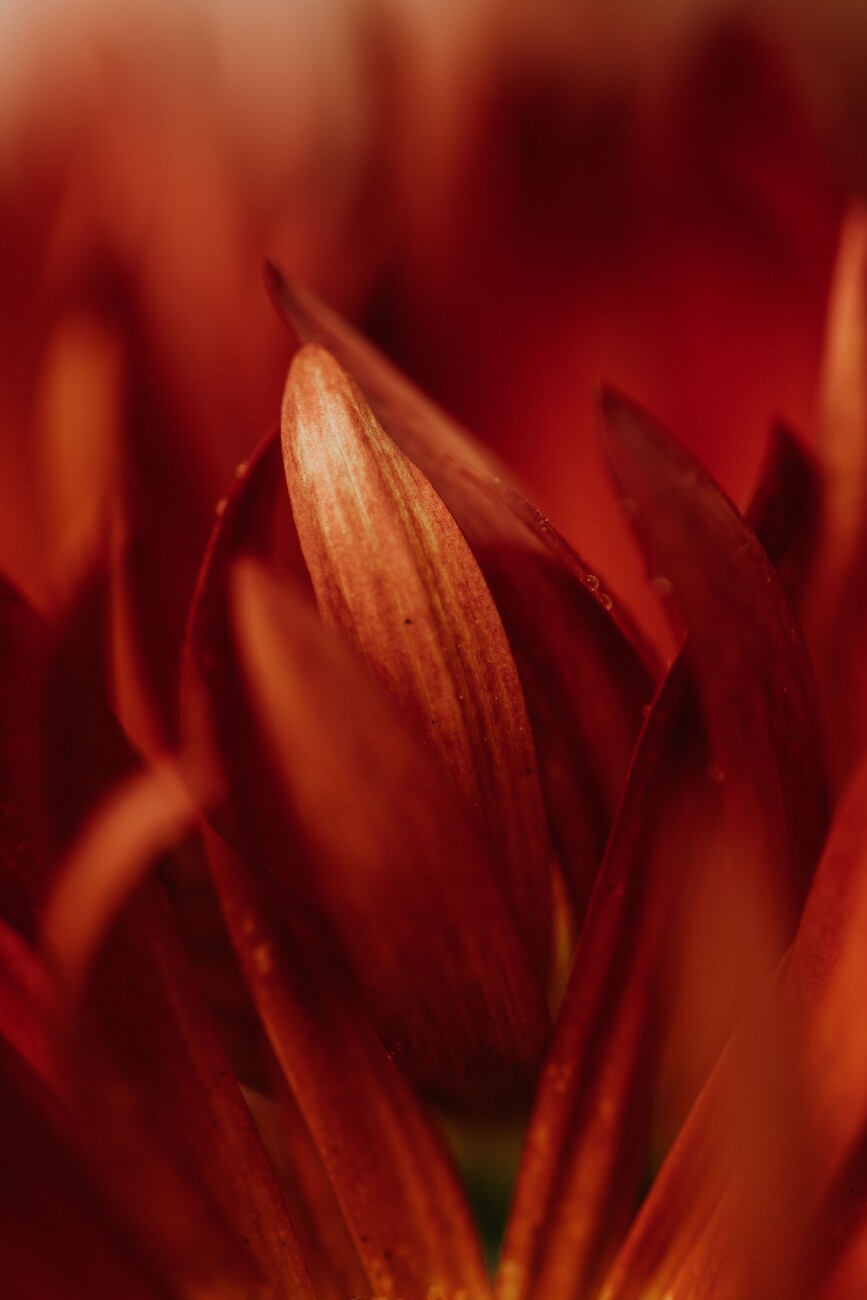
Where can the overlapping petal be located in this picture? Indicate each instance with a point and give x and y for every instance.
(584, 683)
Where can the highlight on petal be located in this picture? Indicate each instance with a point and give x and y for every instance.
(465, 1008)
(392, 861)
(834, 616)
(399, 1195)
(392, 571)
(584, 682)
(116, 851)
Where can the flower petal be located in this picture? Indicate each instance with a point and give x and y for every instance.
(393, 863)
(165, 1121)
(587, 1141)
(400, 1197)
(584, 683)
(784, 512)
(58, 1235)
(835, 615)
(393, 573)
(419, 849)
(744, 648)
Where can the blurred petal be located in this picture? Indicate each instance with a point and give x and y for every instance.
(393, 573)
(173, 1141)
(584, 683)
(59, 1237)
(24, 640)
(130, 830)
(680, 1232)
(394, 863)
(838, 596)
(400, 1197)
(784, 512)
(28, 1006)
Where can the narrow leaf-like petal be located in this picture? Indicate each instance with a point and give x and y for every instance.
(680, 1234)
(171, 1137)
(397, 837)
(393, 573)
(401, 1199)
(836, 620)
(584, 683)
(589, 1134)
(744, 648)
(396, 867)
(784, 513)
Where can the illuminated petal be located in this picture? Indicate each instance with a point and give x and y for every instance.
(399, 1195)
(393, 573)
(391, 861)
(583, 681)
(835, 616)
(395, 865)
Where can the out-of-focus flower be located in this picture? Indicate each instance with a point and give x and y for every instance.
(414, 742)
(434, 836)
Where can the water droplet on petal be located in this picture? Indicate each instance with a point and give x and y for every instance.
(592, 581)
(662, 586)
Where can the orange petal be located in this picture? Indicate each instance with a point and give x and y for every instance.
(835, 614)
(394, 864)
(583, 681)
(589, 1135)
(466, 1049)
(393, 573)
(824, 982)
(399, 1195)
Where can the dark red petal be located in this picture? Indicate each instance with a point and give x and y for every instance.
(59, 1237)
(170, 1135)
(393, 573)
(28, 1006)
(584, 683)
(784, 513)
(399, 1195)
(589, 1135)
(744, 649)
